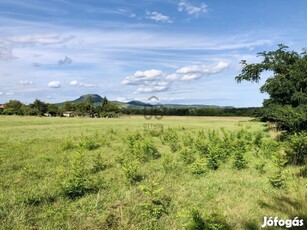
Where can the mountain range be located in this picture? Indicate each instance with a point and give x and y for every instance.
(97, 100)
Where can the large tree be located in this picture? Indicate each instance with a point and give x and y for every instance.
(287, 86)
(13, 107)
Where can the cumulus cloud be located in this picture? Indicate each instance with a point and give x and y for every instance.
(185, 6)
(156, 81)
(158, 17)
(198, 71)
(74, 83)
(65, 61)
(140, 77)
(26, 82)
(54, 84)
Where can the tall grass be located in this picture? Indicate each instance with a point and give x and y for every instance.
(59, 173)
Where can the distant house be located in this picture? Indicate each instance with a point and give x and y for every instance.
(1, 108)
(68, 114)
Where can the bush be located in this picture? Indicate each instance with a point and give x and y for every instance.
(297, 148)
(171, 137)
(199, 167)
(98, 164)
(239, 161)
(78, 182)
(88, 143)
(142, 149)
(155, 204)
(260, 167)
(68, 144)
(277, 180)
(288, 118)
(168, 164)
(130, 170)
(212, 221)
(187, 155)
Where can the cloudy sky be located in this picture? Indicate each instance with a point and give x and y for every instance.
(182, 51)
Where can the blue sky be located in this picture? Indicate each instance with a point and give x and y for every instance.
(182, 51)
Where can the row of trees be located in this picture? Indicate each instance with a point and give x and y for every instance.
(109, 109)
(40, 108)
(187, 111)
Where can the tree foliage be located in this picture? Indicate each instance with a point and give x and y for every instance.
(287, 86)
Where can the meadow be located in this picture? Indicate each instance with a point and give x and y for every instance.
(133, 173)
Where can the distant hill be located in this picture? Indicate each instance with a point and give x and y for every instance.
(97, 99)
(84, 98)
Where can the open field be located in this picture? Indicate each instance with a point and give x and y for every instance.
(129, 173)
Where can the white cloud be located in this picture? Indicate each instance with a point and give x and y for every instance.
(140, 77)
(122, 99)
(157, 81)
(81, 84)
(74, 83)
(191, 9)
(158, 17)
(9, 94)
(1, 93)
(26, 82)
(39, 38)
(198, 71)
(156, 87)
(54, 84)
(86, 85)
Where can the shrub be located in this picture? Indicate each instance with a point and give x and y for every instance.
(239, 161)
(171, 137)
(258, 139)
(68, 144)
(88, 143)
(168, 163)
(130, 170)
(269, 147)
(277, 180)
(187, 155)
(145, 150)
(199, 167)
(142, 149)
(297, 148)
(98, 164)
(78, 182)
(155, 204)
(212, 221)
(260, 167)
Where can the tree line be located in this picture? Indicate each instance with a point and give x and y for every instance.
(40, 108)
(110, 109)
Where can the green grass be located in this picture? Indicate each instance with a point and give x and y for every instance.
(71, 173)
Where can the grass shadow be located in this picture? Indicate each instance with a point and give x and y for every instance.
(290, 207)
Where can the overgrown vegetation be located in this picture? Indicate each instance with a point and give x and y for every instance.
(114, 174)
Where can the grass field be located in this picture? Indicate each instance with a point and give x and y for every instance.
(129, 173)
